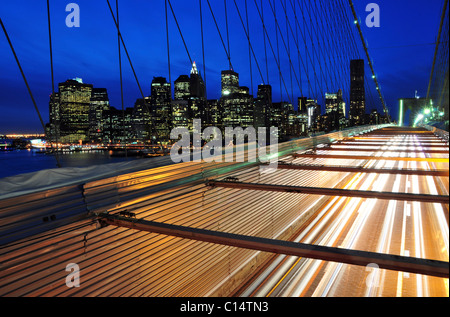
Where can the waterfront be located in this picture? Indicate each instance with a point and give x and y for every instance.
(17, 162)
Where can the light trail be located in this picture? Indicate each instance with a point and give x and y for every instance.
(394, 227)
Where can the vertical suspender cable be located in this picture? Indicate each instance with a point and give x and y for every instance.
(128, 56)
(58, 164)
(265, 45)
(286, 49)
(278, 48)
(249, 49)
(203, 45)
(168, 43)
(126, 52)
(179, 30)
(289, 50)
(247, 35)
(305, 65)
(220, 34)
(228, 34)
(121, 80)
(298, 55)
(271, 46)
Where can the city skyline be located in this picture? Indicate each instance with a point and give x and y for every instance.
(90, 52)
(80, 112)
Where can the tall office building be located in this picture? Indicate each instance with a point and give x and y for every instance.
(357, 93)
(285, 118)
(263, 104)
(182, 90)
(197, 85)
(74, 108)
(236, 102)
(189, 100)
(161, 108)
(99, 104)
(335, 111)
(52, 128)
(302, 105)
(214, 113)
(313, 109)
(142, 121)
(230, 82)
(197, 100)
(117, 126)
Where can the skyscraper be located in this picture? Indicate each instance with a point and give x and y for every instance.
(74, 107)
(263, 104)
(197, 85)
(236, 101)
(180, 104)
(197, 100)
(182, 90)
(313, 115)
(357, 92)
(52, 129)
(230, 82)
(142, 121)
(335, 111)
(302, 105)
(161, 109)
(99, 104)
(117, 126)
(189, 99)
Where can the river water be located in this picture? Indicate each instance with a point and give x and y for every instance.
(25, 161)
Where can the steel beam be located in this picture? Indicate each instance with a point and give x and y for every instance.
(380, 150)
(367, 157)
(405, 143)
(332, 191)
(354, 257)
(389, 132)
(357, 169)
(379, 143)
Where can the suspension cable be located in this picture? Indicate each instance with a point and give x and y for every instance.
(58, 164)
(23, 74)
(278, 50)
(249, 48)
(121, 80)
(220, 34)
(265, 45)
(249, 42)
(228, 34)
(179, 30)
(271, 46)
(203, 45)
(167, 41)
(285, 45)
(369, 60)
(298, 55)
(128, 55)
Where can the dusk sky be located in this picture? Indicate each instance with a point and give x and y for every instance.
(401, 48)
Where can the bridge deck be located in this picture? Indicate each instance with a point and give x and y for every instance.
(43, 231)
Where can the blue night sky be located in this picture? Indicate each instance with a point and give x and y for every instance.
(401, 49)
